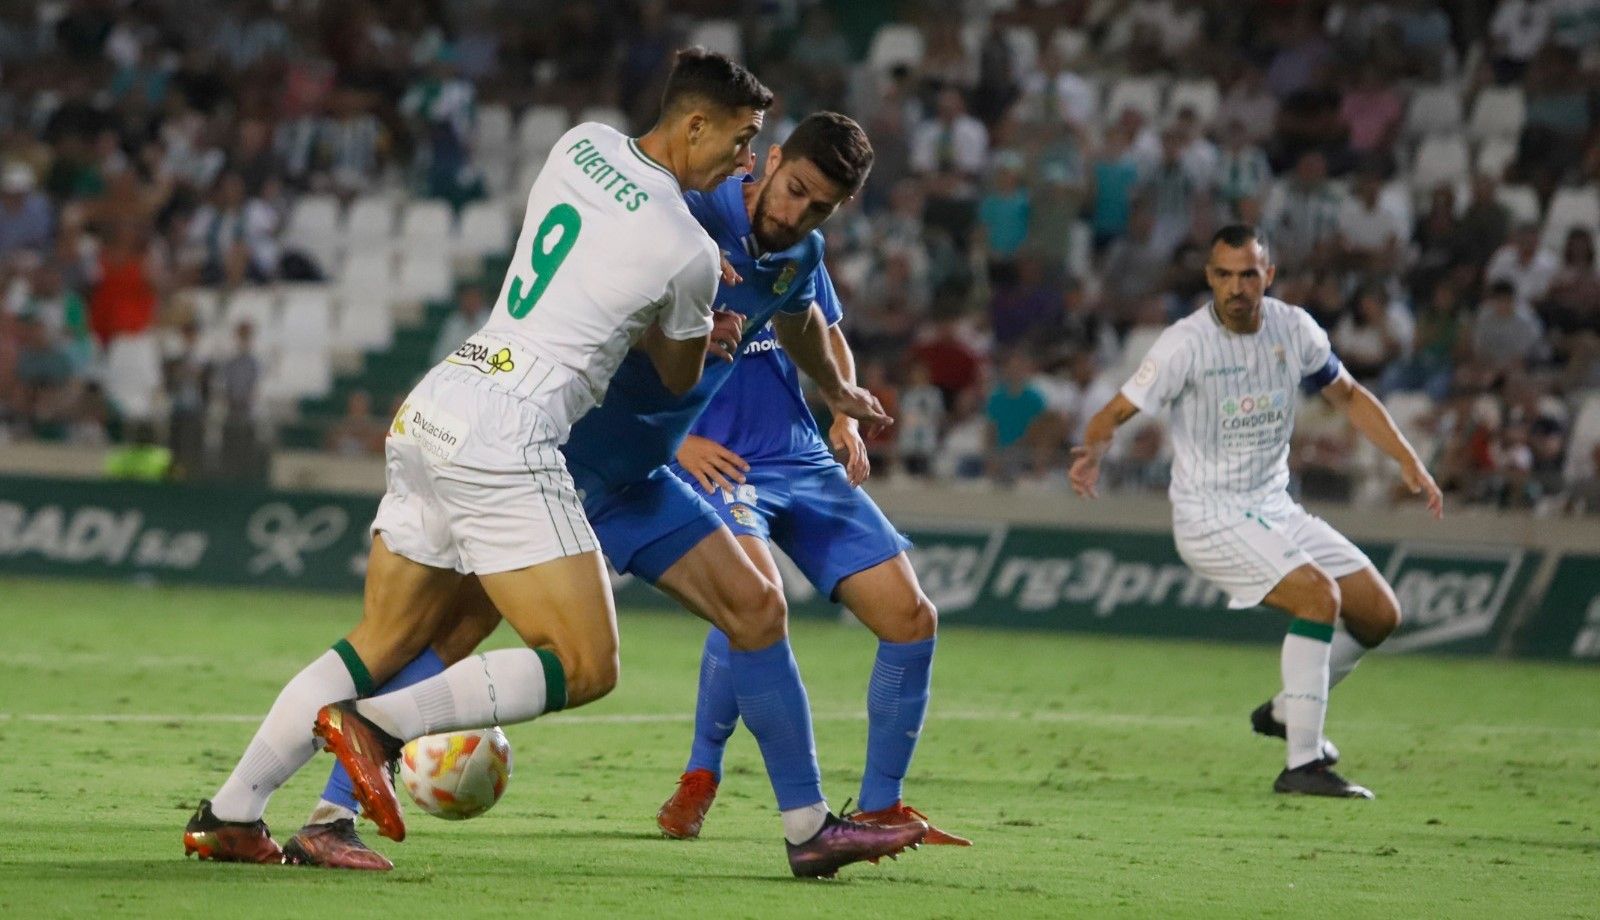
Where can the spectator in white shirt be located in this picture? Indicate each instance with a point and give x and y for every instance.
(1519, 29)
(952, 141)
(1371, 233)
(1521, 262)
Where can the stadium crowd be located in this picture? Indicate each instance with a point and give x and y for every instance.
(1048, 175)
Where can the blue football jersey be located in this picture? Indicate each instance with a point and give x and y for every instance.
(760, 413)
(640, 424)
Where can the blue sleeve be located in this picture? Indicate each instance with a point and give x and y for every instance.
(802, 299)
(1328, 373)
(827, 298)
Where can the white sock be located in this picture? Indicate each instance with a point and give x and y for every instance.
(1343, 656)
(494, 688)
(328, 812)
(1305, 691)
(801, 824)
(284, 741)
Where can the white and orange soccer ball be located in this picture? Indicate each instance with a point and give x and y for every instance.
(457, 775)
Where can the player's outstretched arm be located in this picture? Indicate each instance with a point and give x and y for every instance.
(1096, 441)
(844, 435)
(1370, 418)
(805, 337)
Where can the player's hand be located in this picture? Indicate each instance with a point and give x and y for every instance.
(729, 276)
(858, 403)
(845, 436)
(727, 328)
(1420, 482)
(1085, 471)
(712, 465)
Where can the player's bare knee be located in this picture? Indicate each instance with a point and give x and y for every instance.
(591, 664)
(1385, 620)
(756, 616)
(1319, 597)
(597, 678)
(919, 622)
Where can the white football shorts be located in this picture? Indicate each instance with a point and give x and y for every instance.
(475, 482)
(1246, 553)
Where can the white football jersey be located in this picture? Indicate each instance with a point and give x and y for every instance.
(1232, 400)
(607, 247)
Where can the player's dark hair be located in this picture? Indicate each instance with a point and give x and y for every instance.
(704, 76)
(834, 144)
(1238, 236)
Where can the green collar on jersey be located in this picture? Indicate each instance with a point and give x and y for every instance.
(649, 160)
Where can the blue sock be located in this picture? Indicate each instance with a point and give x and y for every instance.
(773, 703)
(338, 791)
(897, 701)
(716, 710)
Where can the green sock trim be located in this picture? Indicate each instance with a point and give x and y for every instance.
(353, 664)
(555, 680)
(1311, 629)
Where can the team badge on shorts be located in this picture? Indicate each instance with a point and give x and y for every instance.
(743, 516)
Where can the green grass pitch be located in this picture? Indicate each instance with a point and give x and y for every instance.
(1099, 777)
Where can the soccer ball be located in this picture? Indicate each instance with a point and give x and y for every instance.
(457, 775)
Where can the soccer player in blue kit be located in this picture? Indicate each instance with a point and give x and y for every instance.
(652, 524)
(757, 453)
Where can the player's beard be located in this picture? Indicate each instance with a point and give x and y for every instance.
(761, 225)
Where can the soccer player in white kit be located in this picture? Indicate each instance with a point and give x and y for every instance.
(1228, 374)
(609, 258)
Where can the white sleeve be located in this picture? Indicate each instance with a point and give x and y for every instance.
(687, 313)
(1163, 373)
(1313, 350)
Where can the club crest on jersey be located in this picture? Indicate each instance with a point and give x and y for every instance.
(743, 516)
(1283, 359)
(785, 278)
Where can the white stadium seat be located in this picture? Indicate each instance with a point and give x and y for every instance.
(1069, 44)
(307, 318)
(298, 373)
(541, 126)
(370, 222)
(368, 276)
(364, 322)
(719, 35)
(314, 225)
(258, 307)
(1142, 94)
(427, 225)
(492, 129)
(1495, 154)
(895, 44)
(1498, 112)
(1434, 109)
(485, 230)
(1521, 200)
(1200, 95)
(1571, 207)
(1442, 159)
(425, 275)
